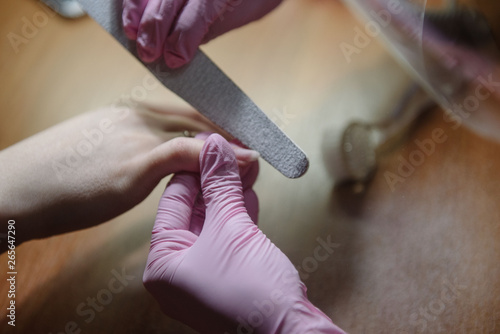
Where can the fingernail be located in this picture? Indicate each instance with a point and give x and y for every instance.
(245, 154)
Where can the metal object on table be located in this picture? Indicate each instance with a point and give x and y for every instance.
(353, 154)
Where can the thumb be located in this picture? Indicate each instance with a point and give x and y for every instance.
(221, 183)
(175, 155)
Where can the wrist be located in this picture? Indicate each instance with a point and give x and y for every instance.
(8, 213)
(13, 204)
(303, 317)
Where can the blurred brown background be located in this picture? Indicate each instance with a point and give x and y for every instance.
(419, 258)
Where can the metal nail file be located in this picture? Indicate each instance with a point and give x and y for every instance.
(203, 85)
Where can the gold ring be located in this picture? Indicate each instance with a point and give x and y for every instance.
(187, 133)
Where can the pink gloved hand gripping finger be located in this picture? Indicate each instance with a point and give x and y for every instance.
(220, 180)
(213, 281)
(248, 174)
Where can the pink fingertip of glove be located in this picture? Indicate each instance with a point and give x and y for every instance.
(174, 61)
(130, 32)
(215, 153)
(146, 52)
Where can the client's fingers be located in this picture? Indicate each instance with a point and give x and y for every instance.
(175, 155)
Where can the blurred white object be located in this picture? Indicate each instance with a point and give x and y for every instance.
(70, 9)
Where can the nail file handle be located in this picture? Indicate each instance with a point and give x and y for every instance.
(203, 85)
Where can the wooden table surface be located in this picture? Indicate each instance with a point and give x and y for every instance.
(421, 257)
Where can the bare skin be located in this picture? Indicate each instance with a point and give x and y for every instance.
(94, 167)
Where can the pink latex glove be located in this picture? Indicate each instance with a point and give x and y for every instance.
(175, 28)
(228, 278)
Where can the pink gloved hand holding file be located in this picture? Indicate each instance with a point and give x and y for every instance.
(175, 28)
(211, 267)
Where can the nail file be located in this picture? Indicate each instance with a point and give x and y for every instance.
(203, 85)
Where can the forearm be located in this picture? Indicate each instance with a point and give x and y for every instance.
(10, 216)
(8, 204)
(21, 200)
